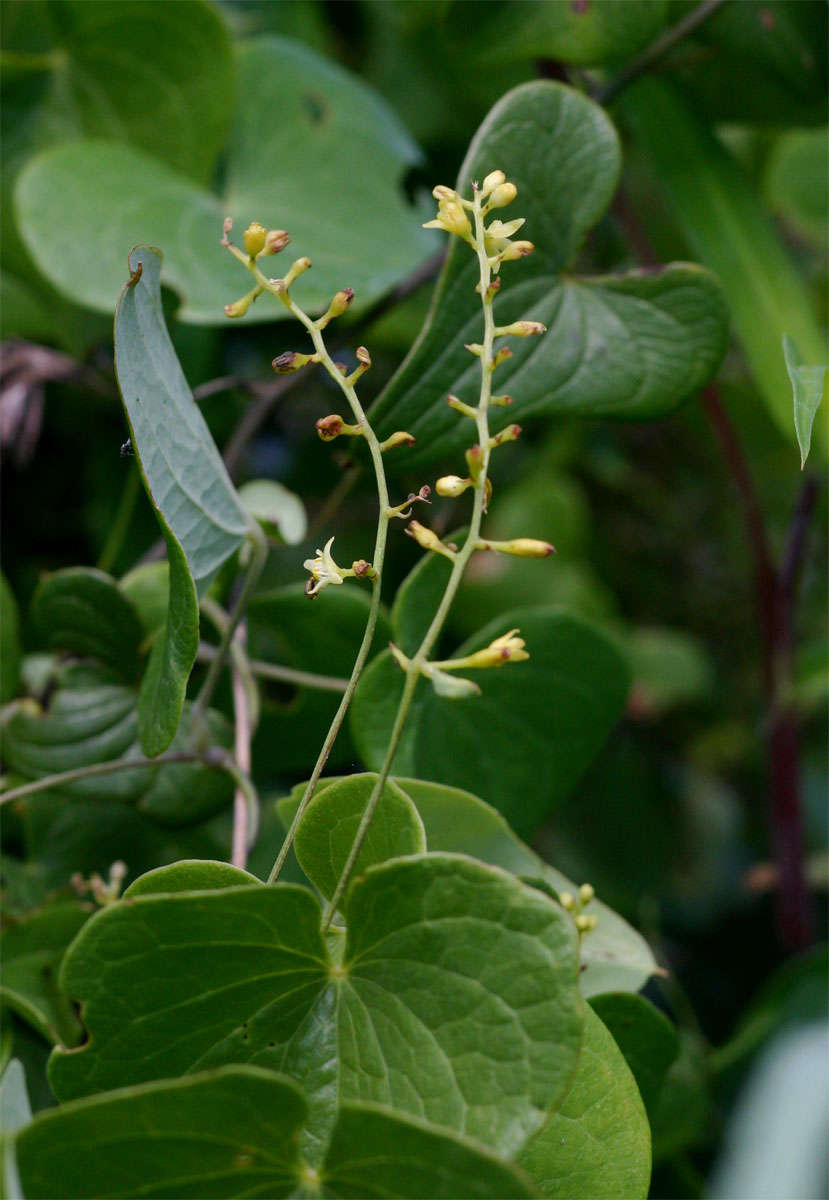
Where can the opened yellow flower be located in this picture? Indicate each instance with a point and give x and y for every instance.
(323, 570)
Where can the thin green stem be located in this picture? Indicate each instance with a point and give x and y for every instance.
(259, 552)
(121, 522)
(413, 670)
(221, 762)
(378, 559)
(266, 670)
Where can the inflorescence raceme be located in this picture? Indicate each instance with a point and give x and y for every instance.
(494, 243)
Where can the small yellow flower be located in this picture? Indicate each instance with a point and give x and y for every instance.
(451, 214)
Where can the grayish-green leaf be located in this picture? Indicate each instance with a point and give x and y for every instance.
(301, 126)
(280, 513)
(645, 1036)
(597, 1143)
(454, 973)
(199, 512)
(33, 947)
(809, 389)
(526, 740)
(613, 958)
(15, 1109)
(85, 612)
(326, 833)
(630, 346)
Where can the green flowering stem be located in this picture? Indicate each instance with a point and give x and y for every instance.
(265, 670)
(347, 387)
(459, 560)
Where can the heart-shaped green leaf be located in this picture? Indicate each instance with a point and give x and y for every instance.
(597, 1143)
(630, 346)
(613, 958)
(325, 836)
(157, 76)
(302, 125)
(85, 612)
(201, 517)
(558, 707)
(235, 1132)
(454, 973)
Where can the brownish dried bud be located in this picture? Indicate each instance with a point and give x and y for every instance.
(276, 240)
(285, 364)
(329, 427)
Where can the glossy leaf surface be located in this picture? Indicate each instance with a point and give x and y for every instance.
(235, 1132)
(452, 972)
(327, 121)
(645, 1036)
(613, 958)
(630, 346)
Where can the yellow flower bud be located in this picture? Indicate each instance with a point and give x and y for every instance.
(516, 250)
(254, 238)
(290, 361)
(340, 303)
(507, 648)
(586, 893)
(521, 547)
(298, 268)
(445, 193)
(452, 485)
(239, 307)
(568, 901)
(451, 217)
(428, 539)
(510, 434)
(521, 329)
(493, 180)
(400, 438)
(504, 194)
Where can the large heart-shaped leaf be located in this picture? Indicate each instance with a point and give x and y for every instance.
(614, 958)
(235, 1132)
(155, 76)
(201, 516)
(628, 346)
(456, 999)
(597, 1143)
(302, 125)
(526, 740)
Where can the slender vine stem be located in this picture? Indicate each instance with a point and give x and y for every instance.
(461, 558)
(220, 761)
(266, 670)
(259, 552)
(378, 557)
